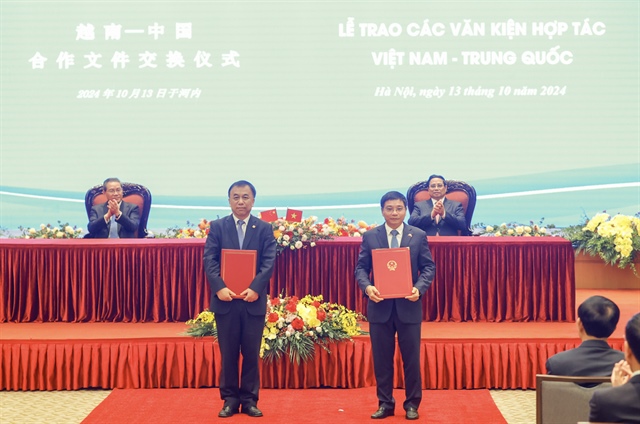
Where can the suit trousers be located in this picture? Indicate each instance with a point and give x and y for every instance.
(239, 332)
(383, 346)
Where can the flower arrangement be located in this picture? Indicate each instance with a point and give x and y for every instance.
(190, 231)
(289, 235)
(616, 239)
(299, 235)
(343, 228)
(513, 229)
(294, 326)
(62, 231)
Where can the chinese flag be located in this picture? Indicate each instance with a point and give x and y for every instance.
(294, 215)
(269, 216)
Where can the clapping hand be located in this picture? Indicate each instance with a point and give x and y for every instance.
(621, 373)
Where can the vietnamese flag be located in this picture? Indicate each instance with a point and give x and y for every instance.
(269, 216)
(294, 215)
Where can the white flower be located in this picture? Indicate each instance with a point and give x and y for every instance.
(319, 330)
(357, 234)
(510, 231)
(498, 235)
(285, 243)
(27, 237)
(32, 230)
(543, 230)
(298, 245)
(313, 244)
(286, 237)
(304, 237)
(519, 229)
(42, 226)
(69, 229)
(293, 247)
(272, 336)
(78, 230)
(489, 229)
(55, 229)
(527, 229)
(59, 234)
(281, 228)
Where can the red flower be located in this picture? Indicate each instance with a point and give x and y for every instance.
(297, 324)
(321, 314)
(316, 304)
(291, 307)
(275, 301)
(273, 317)
(327, 221)
(343, 233)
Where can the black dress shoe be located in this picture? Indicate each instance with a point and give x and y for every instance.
(252, 411)
(412, 414)
(227, 412)
(382, 412)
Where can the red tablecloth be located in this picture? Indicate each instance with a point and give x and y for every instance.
(159, 280)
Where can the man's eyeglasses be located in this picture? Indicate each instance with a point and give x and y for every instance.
(436, 186)
(114, 191)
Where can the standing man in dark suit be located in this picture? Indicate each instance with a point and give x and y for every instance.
(240, 322)
(597, 320)
(388, 317)
(115, 218)
(621, 403)
(438, 216)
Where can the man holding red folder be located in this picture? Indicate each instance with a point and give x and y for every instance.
(391, 316)
(240, 321)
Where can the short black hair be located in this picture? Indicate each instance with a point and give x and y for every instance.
(436, 176)
(632, 335)
(599, 316)
(392, 195)
(242, 183)
(110, 180)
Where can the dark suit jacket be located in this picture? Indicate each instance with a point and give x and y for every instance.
(617, 404)
(127, 224)
(591, 359)
(453, 221)
(259, 237)
(422, 269)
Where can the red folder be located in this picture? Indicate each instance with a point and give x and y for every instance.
(269, 215)
(238, 269)
(392, 272)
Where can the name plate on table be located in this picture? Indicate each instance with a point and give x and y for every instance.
(238, 269)
(392, 272)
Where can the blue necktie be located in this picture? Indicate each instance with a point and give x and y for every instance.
(394, 239)
(240, 232)
(113, 227)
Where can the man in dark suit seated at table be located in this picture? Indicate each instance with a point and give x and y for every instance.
(115, 218)
(597, 320)
(621, 403)
(403, 316)
(438, 216)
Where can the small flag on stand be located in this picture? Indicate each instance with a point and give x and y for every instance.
(294, 215)
(269, 216)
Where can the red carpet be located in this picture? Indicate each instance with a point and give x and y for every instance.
(300, 406)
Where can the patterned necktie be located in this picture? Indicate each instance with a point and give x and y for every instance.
(113, 227)
(394, 239)
(240, 232)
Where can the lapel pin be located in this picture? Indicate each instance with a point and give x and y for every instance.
(409, 235)
(253, 226)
